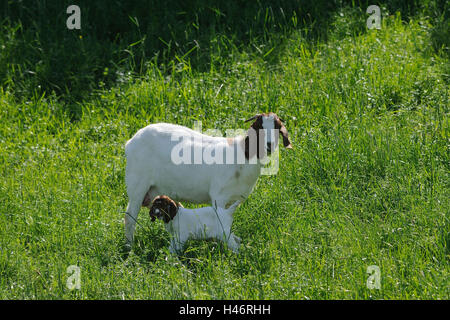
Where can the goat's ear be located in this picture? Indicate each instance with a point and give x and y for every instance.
(172, 209)
(286, 141)
(252, 118)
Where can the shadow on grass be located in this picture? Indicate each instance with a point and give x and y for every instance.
(196, 256)
(119, 39)
(148, 244)
(199, 255)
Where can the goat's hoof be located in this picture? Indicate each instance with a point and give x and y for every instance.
(125, 250)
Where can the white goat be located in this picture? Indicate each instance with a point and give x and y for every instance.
(152, 169)
(201, 223)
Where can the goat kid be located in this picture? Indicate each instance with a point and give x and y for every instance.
(151, 171)
(202, 223)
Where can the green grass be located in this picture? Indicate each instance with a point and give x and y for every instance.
(367, 182)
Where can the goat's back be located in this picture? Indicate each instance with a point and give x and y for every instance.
(150, 156)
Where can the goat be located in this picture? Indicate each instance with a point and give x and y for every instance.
(202, 223)
(151, 169)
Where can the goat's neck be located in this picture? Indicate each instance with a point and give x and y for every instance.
(250, 153)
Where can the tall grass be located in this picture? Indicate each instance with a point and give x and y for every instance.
(118, 39)
(367, 182)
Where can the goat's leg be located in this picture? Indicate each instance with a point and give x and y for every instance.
(136, 190)
(232, 244)
(218, 202)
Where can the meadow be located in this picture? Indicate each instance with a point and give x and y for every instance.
(366, 184)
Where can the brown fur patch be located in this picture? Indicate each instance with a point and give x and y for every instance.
(280, 126)
(250, 151)
(167, 206)
(257, 125)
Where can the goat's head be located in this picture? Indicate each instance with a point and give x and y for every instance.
(263, 126)
(163, 208)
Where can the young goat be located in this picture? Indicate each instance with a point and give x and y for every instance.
(202, 223)
(153, 167)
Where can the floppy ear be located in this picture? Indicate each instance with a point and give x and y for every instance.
(286, 141)
(171, 210)
(252, 118)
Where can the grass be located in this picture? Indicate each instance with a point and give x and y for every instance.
(367, 182)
